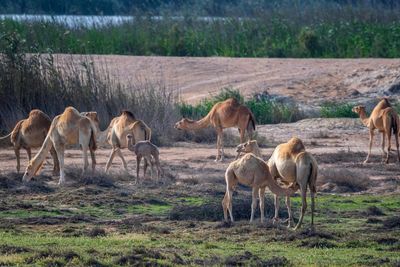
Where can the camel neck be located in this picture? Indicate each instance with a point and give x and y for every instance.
(364, 118)
(41, 155)
(200, 124)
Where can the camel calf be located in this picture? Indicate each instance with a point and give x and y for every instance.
(148, 151)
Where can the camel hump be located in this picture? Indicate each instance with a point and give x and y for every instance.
(296, 145)
(36, 112)
(128, 114)
(232, 101)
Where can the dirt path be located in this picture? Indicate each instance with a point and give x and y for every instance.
(305, 80)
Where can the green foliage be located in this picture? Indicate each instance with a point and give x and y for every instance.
(265, 111)
(271, 35)
(337, 110)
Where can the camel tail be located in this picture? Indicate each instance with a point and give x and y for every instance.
(395, 126)
(252, 122)
(92, 141)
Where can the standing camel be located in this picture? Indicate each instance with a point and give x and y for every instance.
(386, 120)
(251, 171)
(69, 128)
(296, 168)
(30, 133)
(225, 114)
(117, 132)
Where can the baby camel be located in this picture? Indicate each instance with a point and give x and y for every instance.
(69, 128)
(251, 171)
(30, 133)
(385, 119)
(146, 150)
(295, 167)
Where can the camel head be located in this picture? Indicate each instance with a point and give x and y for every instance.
(31, 171)
(182, 124)
(92, 115)
(249, 147)
(358, 109)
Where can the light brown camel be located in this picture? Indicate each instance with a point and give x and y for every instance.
(225, 114)
(117, 131)
(295, 167)
(69, 128)
(250, 146)
(30, 133)
(386, 120)
(148, 151)
(251, 171)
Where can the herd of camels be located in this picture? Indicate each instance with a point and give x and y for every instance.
(289, 169)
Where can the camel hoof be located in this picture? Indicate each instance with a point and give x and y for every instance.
(365, 161)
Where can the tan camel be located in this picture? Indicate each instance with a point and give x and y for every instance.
(117, 131)
(295, 167)
(148, 151)
(250, 146)
(386, 120)
(225, 114)
(251, 171)
(30, 133)
(69, 128)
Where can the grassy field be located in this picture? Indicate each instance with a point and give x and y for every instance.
(107, 221)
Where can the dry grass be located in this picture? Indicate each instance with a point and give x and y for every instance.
(342, 180)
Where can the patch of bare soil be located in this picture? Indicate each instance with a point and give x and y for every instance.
(307, 81)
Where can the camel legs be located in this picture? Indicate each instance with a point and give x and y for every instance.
(371, 137)
(138, 159)
(396, 137)
(303, 190)
(389, 135)
(261, 195)
(227, 203)
(220, 145)
(115, 151)
(290, 213)
(56, 165)
(383, 144)
(93, 156)
(85, 159)
(276, 203)
(253, 203)
(29, 153)
(60, 154)
(17, 154)
(312, 196)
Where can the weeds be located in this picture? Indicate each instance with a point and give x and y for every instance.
(337, 110)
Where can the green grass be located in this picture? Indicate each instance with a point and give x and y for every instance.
(354, 241)
(261, 36)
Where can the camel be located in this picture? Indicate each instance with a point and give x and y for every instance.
(117, 131)
(386, 120)
(225, 114)
(146, 150)
(296, 168)
(250, 146)
(30, 133)
(69, 128)
(252, 171)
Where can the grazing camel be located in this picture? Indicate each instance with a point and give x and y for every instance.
(117, 131)
(146, 150)
(69, 128)
(386, 120)
(251, 171)
(295, 167)
(30, 133)
(225, 114)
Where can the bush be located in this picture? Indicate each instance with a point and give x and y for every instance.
(337, 110)
(34, 81)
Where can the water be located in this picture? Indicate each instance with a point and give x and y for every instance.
(73, 21)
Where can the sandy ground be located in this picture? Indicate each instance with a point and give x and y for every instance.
(338, 144)
(307, 81)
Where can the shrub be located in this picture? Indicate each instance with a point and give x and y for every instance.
(337, 110)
